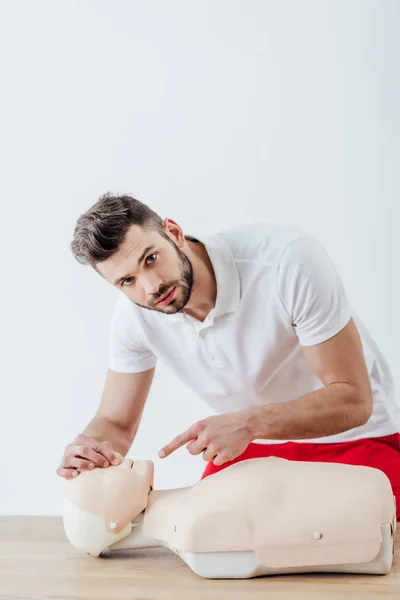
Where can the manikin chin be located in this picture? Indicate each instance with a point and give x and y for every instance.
(258, 517)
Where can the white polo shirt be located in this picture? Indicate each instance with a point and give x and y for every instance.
(277, 289)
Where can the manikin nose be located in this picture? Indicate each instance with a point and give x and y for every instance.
(126, 464)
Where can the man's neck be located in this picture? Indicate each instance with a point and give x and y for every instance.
(204, 290)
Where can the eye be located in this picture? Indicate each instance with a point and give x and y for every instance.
(149, 257)
(128, 279)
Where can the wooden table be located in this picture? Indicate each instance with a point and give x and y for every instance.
(38, 563)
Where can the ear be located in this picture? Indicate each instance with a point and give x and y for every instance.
(173, 231)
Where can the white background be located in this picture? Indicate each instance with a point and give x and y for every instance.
(214, 113)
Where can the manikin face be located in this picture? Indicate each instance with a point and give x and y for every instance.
(117, 494)
(151, 270)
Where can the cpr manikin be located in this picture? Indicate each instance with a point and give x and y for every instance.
(256, 517)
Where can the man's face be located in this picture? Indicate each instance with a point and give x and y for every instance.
(146, 267)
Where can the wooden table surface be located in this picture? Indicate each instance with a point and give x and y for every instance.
(38, 563)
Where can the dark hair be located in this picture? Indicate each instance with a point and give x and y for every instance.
(100, 231)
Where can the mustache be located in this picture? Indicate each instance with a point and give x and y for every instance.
(163, 290)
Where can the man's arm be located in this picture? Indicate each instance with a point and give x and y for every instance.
(114, 425)
(118, 416)
(345, 402)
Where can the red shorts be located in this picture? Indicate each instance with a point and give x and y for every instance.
(381, 453)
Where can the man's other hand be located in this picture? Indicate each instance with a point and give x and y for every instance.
(221, 438)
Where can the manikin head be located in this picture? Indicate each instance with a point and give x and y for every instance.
(132, 248)
(100, 505)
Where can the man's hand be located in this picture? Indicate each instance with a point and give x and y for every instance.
(86, 452)
(221, 438)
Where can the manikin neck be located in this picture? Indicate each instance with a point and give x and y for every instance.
(136, 539)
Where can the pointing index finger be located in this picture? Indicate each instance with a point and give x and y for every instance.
(177, 442)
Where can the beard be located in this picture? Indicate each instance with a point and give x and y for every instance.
(183, 287)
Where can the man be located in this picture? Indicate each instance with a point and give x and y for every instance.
(257, 322)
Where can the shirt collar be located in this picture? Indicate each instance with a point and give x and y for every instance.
(226, 275)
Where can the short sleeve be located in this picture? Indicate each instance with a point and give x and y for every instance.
(312, 292)
(127, 351)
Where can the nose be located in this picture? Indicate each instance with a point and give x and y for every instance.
(151, 284)
(126, 464)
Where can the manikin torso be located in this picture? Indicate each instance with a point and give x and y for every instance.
(259, 516)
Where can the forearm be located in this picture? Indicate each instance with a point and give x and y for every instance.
(107, 431)
(331, 410)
